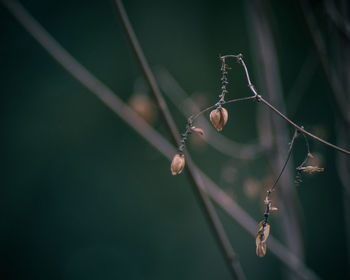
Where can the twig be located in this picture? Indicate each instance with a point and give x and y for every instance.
(218, 141)
(299, 128)
(112, 101)
(209, 210)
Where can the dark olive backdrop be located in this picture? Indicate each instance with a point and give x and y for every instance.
(83, 196)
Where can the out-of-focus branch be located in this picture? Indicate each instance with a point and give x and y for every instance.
(327, 67)
(268, 69)
(196, 180)
(112, 101)
(341, 22)
(301, 83)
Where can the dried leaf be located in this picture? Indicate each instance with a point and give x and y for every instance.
(197, 130)
(310, 169)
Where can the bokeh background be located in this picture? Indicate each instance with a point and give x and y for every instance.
(83, 196)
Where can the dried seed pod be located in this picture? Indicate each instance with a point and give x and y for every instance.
(197, 130)
(177, 164)
(263, 233)
(261, 249)
(218, 118)
(143, 106)
(261, 237)
(310, 169)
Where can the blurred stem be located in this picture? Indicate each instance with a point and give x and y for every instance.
(267, 66)
(196, 180)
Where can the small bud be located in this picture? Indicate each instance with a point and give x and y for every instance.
(177, 164)
(273, 208)
(197, 130)
(310, 169)
(218, 118)
(261, 249)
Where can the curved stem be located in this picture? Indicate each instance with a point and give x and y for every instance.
(261, 99)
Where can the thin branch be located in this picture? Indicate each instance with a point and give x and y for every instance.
(286, 162)
(209, 209)
(193, 118)
(299, 128)
(218, 141)
(147, 132)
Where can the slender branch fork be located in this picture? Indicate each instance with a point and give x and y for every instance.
(259, 98)
(195, 178)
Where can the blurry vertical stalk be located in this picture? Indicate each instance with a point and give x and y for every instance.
(335, 60)
(196, 179)
(266, 64)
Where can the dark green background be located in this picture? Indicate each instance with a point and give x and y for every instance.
(83, 196)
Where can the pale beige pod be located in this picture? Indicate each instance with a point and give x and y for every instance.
(177, 164)
(265, 234)
(261, 238)
(218, 118)
(261, 249)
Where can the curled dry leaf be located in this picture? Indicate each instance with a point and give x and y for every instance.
(197, 130)
(177, 164)
(310, 169)
(218, 118)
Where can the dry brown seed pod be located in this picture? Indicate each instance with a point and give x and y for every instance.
(218, 118)
(143, 106)
(261, 249)
(262, 236)
(311, 169)
(177, 164)
(197, 130)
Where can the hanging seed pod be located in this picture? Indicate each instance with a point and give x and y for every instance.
(177, 164)
(263, 232)
(261, 249)
(261, 237)
(218, 118)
